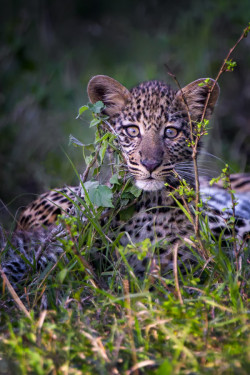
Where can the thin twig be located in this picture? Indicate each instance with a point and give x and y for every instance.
(222, 68)
(90, 165)
(14, 295)
(147, 362)
(177, 287)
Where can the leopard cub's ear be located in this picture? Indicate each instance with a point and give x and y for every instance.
(195, 95)
(110, 92)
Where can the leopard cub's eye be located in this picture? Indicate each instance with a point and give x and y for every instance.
(132, 131)
(171, 132)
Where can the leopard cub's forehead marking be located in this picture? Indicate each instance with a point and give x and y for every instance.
(148, 105)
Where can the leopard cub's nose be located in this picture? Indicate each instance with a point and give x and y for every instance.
(151, 164)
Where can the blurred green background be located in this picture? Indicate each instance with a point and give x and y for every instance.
(50, 49)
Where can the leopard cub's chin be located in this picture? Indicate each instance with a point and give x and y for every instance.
(150, 185)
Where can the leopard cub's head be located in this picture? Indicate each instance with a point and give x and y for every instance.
(153, 124)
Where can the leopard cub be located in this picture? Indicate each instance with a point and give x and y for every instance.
(152, 123)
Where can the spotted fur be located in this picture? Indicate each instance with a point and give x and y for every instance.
(44, 210)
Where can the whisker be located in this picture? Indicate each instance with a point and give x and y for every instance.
(199, 162)
(204, 152)
(200, 171)
(190, 175)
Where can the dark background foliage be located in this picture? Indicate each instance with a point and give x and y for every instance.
(50, 49)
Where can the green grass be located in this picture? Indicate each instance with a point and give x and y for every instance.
(202, 336)
(107, 321)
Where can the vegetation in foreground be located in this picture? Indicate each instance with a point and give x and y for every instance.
(107, 321)
(119, 324)
(41, 88)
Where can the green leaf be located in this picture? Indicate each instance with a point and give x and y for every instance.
(81, 110)
(114, 179)
(91, 185)
(106, 136)
(100, 195)
(124, 202)
(97, 107)
(95, 122)
(127, 195)
(90, 147)
(103, 150)
(135, 191)
(86, 186)
(62, 274)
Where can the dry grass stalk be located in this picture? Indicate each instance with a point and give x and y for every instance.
(14, 295)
